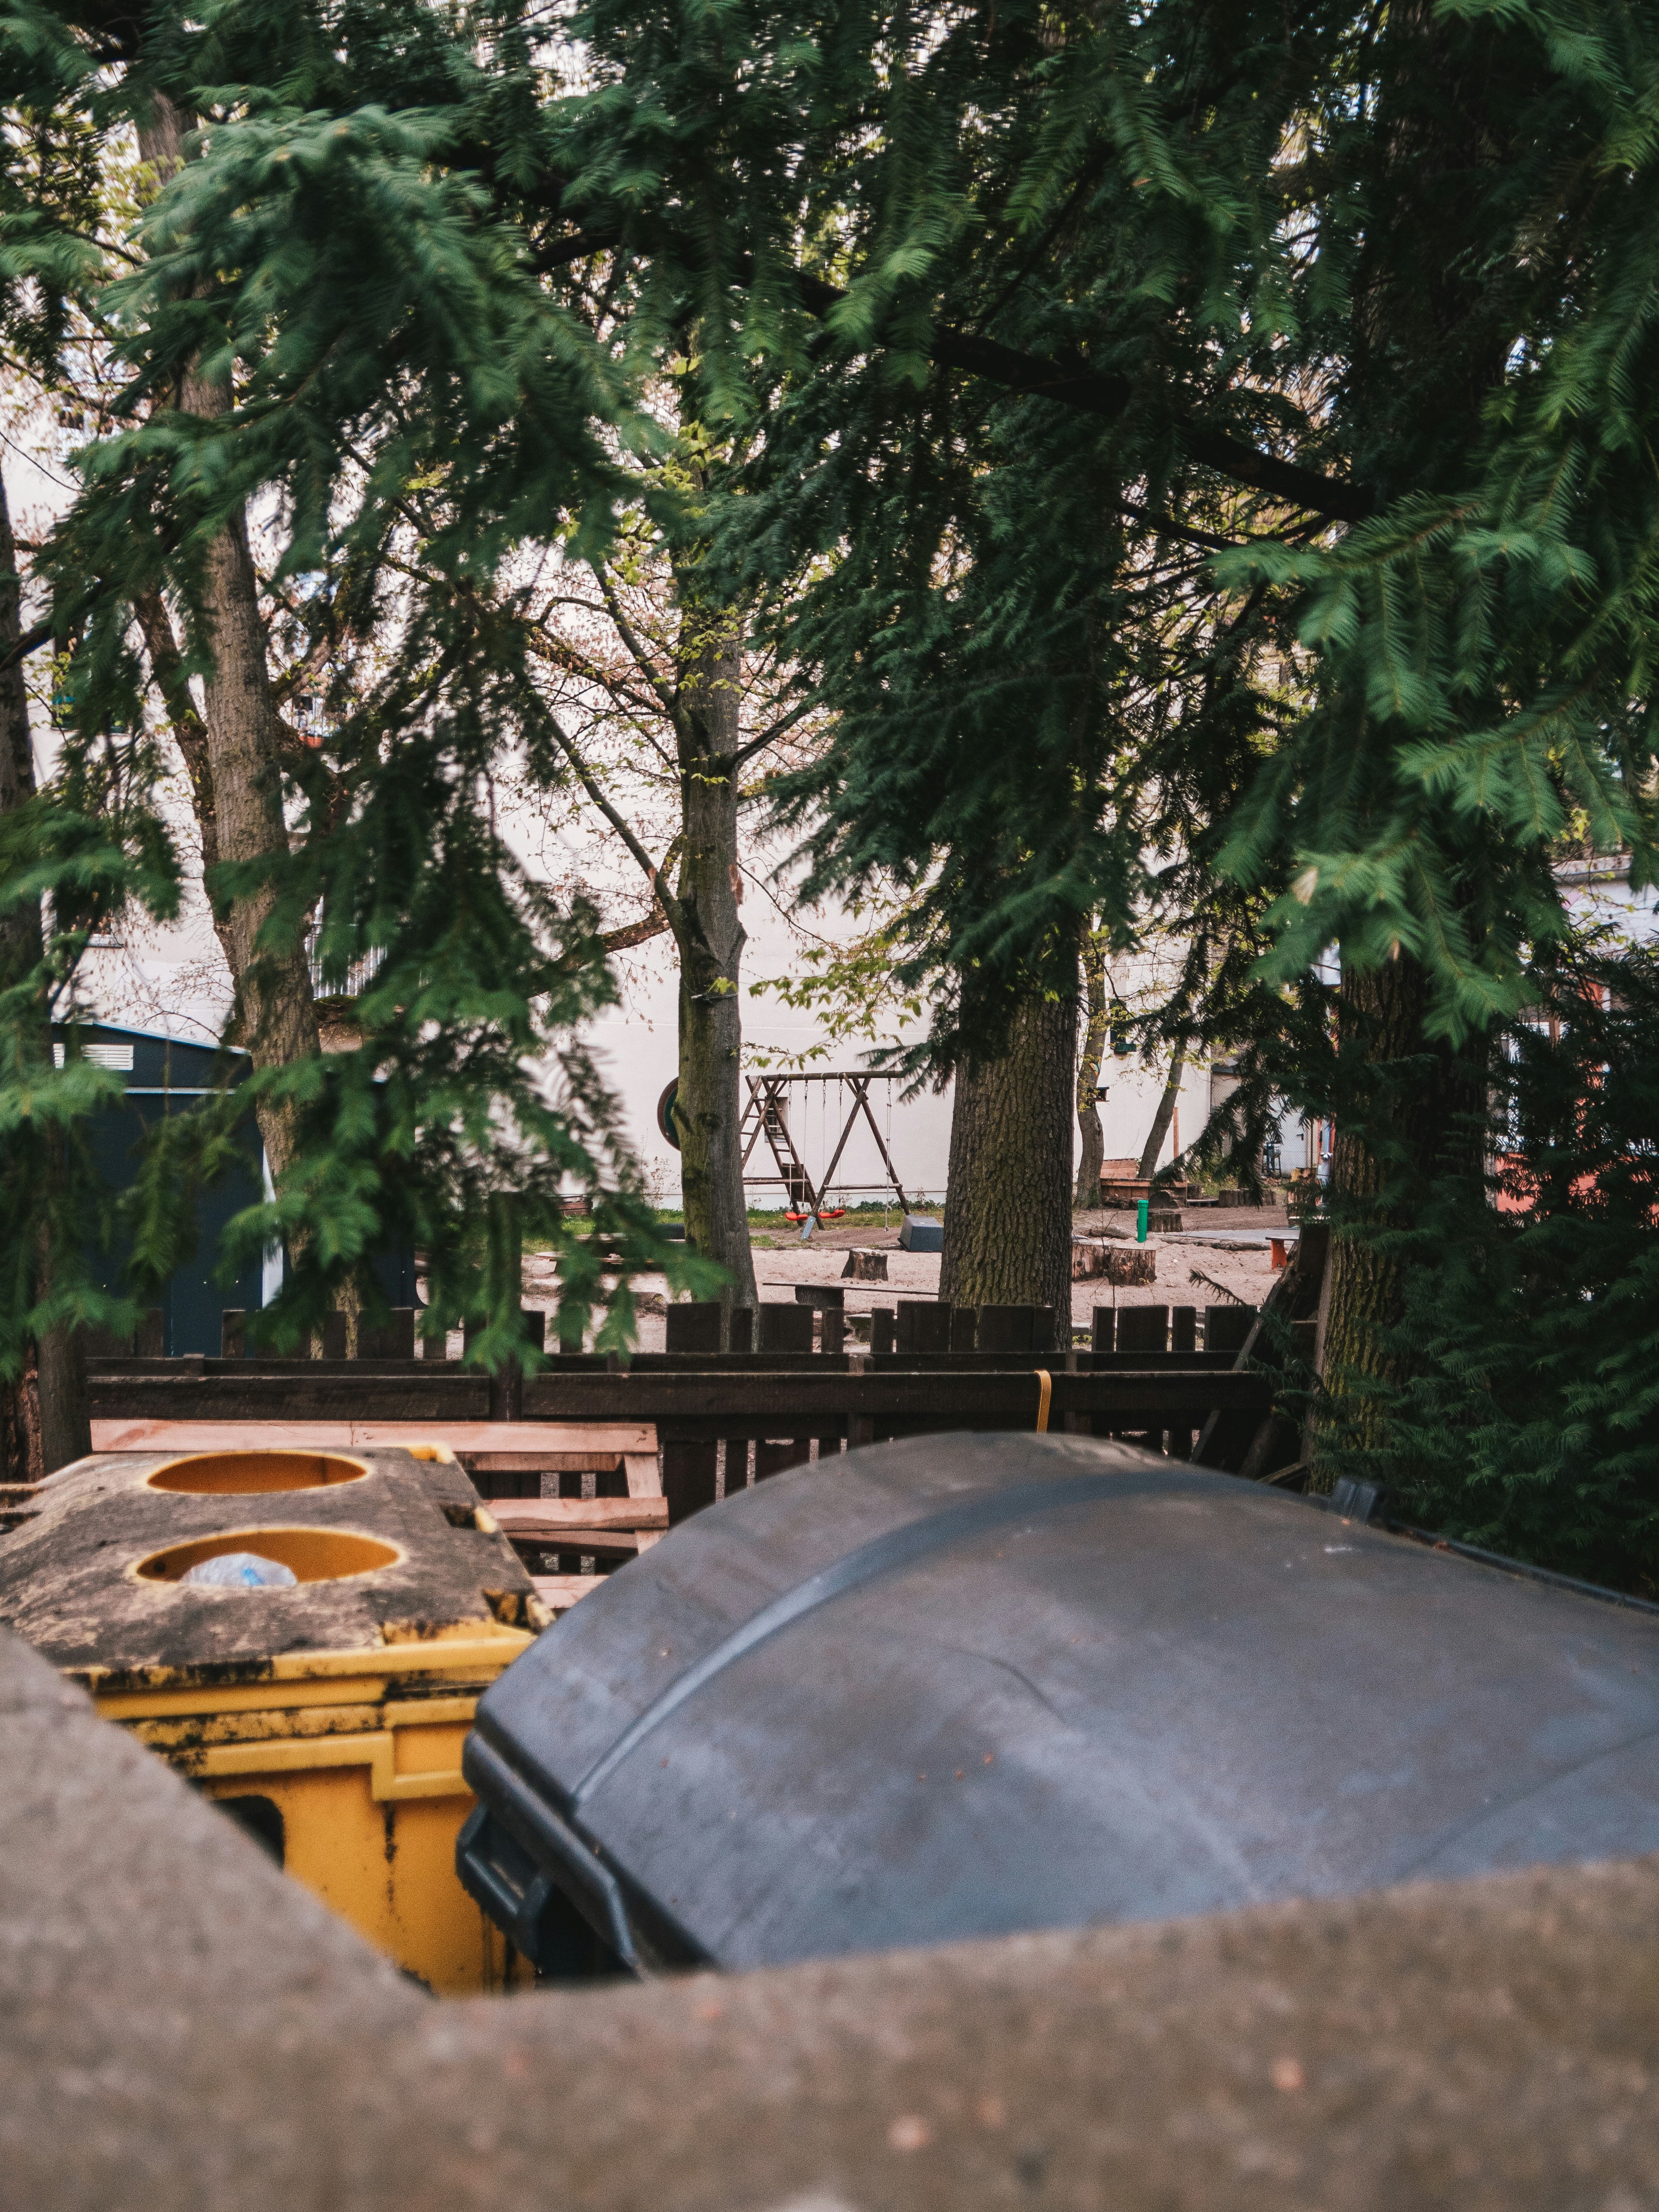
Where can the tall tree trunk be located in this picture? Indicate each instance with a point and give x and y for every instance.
(1091, 1153)
(1008, 1203)
(710, 937)
(65, 1413)
(59, 1417)
(1418, 383)
(233, 753)
(1423, 1118)
(1381, 1013)
(1164, 1115)
(19, 925)
(20, 1459)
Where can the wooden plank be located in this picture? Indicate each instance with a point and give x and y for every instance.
(693, 1327)
(554, 1517)
(689, 1477)
(353, 1375)
(801, 1405)
(541, 1462)
(587, 1412)
(584, 1444)
(1028, 1363)
(644, 1475)
(597, 1412)
(394, 1340)
(588, 1543)
(558, 1593)
(1017, 1328)
(784, 1328)
(1143, 1328)
(305, 1391)
(1225, 1328)
(921, 1325)
(777, 1454)
(349, 1372)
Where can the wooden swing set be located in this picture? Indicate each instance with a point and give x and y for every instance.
(767, 1115)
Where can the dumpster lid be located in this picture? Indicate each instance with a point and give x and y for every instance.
(964, 1686)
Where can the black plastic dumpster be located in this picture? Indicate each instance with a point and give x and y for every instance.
(967, 1684)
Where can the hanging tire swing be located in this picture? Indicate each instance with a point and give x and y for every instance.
(665, 1114)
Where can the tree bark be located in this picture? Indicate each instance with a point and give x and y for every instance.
(233, 753)
(21, 1458)
(1381, 1011)
(1164, 1115)
(65, 1414)
(59, 1418)
(19, 925)
(1417, 382)
(1091, 1153)
(1008, 1202)
(1424, 1111)
(710, 937)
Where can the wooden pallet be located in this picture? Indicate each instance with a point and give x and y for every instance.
(611, 1528)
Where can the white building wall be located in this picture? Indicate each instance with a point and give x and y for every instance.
(636, 1045)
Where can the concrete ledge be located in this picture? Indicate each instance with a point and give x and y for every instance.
(182, 2027)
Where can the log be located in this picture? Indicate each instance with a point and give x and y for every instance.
(865, 1267)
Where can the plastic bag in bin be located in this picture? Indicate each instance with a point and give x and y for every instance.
(241, 1571)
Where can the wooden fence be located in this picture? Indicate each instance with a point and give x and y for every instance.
(725, 1417)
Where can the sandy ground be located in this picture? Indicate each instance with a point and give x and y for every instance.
(781, 1260)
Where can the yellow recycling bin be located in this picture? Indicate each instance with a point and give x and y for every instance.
(325, 1706)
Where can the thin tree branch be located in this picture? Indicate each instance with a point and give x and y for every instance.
(635, 932)
(769, 735)
(33, 639)
(668, 700)
(1069, 385)
(670, 905)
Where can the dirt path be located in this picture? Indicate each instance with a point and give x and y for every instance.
(781, 1261)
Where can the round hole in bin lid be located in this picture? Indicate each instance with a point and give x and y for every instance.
(316, 1555)
(253, 1474)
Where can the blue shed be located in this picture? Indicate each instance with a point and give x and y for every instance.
(165, 1075)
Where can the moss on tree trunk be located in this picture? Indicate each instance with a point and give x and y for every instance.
(57, 1425)
(709, 935)
(1419, 1116)
(233, 753)
(1091, 1138)
(1008, 1205)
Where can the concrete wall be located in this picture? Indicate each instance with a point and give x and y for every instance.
(180, 2027)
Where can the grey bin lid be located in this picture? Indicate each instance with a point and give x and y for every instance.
(962, 1685)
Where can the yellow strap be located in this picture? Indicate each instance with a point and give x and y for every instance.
(1045, 1391)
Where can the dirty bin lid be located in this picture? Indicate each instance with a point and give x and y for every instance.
(963, 1685)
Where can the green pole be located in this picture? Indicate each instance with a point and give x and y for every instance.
(1140, 1222)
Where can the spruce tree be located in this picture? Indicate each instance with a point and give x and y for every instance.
(443, 1127)
(1521, 1410)
(1346, 317)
